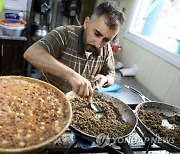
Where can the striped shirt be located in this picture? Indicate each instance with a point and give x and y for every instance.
(65, 43)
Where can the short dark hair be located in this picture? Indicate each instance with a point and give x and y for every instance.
(113, 14)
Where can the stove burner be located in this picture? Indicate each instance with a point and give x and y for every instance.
(92, 146)
(81, 143)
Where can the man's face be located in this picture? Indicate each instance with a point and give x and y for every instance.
(97, 34)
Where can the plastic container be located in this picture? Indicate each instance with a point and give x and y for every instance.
(12, 21)
(21, 15)
(3, 22)
(115, 45)
(12, 16)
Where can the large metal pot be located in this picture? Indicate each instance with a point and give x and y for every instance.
(160, 108)
(126, 112)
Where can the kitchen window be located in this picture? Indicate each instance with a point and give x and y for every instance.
(155, 26)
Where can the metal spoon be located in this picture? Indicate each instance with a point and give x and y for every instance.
(95, 106)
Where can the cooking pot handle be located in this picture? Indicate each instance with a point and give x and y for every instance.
(144, 98)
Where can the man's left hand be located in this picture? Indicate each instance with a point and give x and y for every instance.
(101, 79)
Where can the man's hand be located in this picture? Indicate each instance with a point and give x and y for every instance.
(81, 86)
(38, 56)
(101, 79)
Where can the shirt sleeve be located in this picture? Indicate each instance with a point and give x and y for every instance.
(55, 41)
(109, 64)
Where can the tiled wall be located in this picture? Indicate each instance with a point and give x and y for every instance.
(160, 77)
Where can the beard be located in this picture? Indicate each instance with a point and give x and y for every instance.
(90, 48)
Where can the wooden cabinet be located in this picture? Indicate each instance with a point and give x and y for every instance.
(12, 48)
(11, 57)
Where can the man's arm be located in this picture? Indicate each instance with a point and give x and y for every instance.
(41, 59)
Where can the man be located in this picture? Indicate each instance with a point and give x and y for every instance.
(72, 56)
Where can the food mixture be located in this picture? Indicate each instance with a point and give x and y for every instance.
(30, 113)
(154, 121)
(86, 120)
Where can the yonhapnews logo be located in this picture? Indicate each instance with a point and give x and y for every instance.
(103, 140)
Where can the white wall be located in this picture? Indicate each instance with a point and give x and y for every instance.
(160, 77)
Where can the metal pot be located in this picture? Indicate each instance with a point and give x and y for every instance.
(160, 108)
(40, 32)
(12, 30)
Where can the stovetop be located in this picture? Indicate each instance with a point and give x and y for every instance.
(69, 143)
(135, 143)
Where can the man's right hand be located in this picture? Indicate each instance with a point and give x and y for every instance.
(38, 56)
(81, 86)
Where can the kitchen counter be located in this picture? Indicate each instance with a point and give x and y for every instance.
(22, 38)
(5, 37)
(126, 95)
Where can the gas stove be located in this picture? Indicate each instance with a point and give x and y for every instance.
(135, 143)
(69, 143)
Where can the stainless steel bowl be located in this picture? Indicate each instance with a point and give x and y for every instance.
(12, 31)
